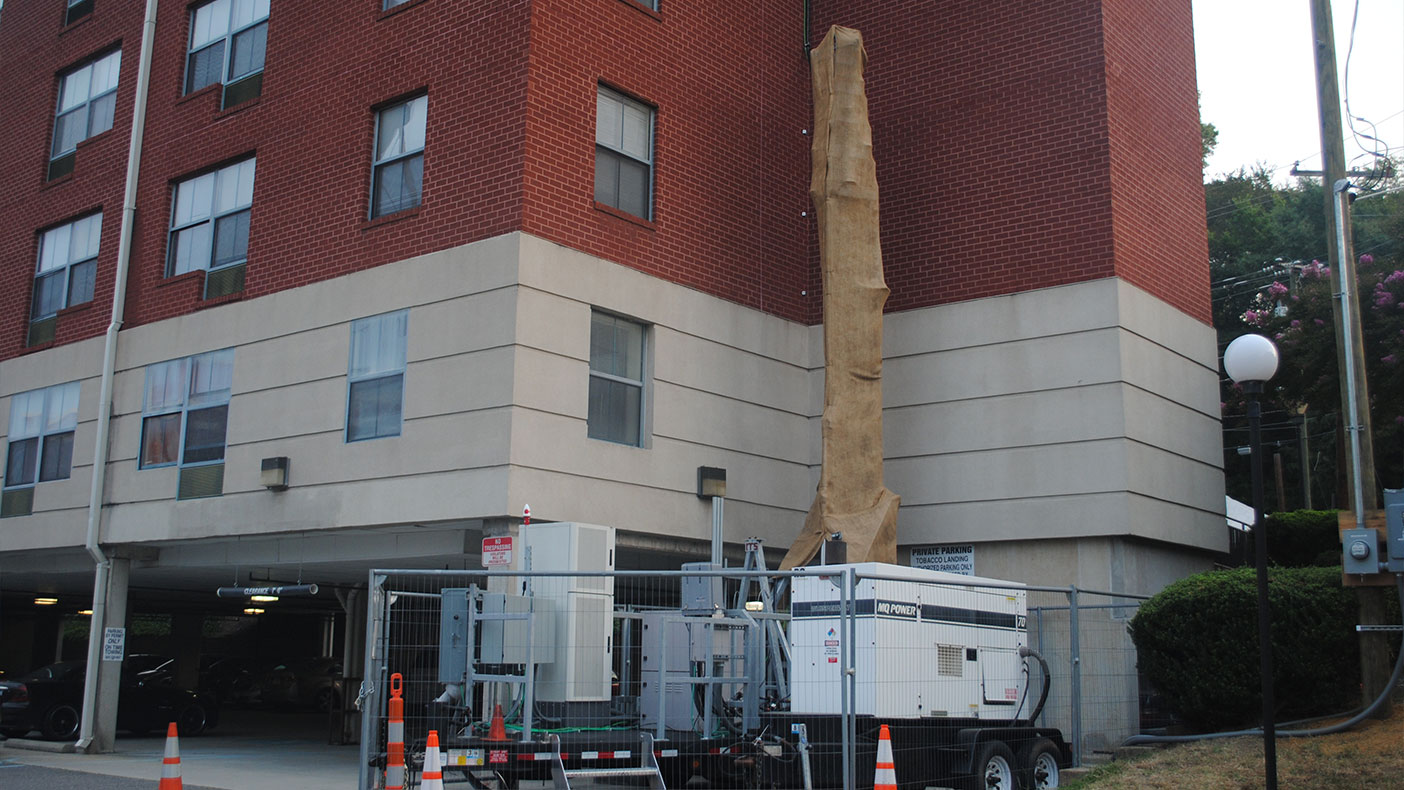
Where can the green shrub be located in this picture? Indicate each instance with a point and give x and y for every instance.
(1303, 538)
(1197, 643)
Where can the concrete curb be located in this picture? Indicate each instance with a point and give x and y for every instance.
(39, 746)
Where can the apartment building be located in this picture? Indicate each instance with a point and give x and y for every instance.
(438, 261)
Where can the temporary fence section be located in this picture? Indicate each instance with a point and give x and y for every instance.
(1095, 690)
(747, 677)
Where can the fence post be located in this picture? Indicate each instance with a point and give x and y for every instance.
(1075, 658)
(370, 708)
(850, 685)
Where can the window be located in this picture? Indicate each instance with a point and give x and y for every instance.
(376, 376)
(616, 379)
(389, 4)
(210, 221)
(227, 43)
(184, 415)
(623, 153)
(87, 101)
(398, 173)
(76, 10)
(67, 266)
(42, 423)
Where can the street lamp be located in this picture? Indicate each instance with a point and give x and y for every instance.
(1250, 360)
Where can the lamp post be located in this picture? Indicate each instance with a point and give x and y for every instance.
(1250, 360)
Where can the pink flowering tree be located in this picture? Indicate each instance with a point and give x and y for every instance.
(1297, 314)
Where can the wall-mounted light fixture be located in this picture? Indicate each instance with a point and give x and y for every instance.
(711, 484)
(273, 473)
(711, 481)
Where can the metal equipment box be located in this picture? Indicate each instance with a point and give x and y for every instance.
(583, 603)
(927, 643)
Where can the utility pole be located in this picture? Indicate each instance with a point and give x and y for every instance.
(1350, 355)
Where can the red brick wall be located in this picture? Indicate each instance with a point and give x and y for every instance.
(1157, 193)
(34, 49)
(1020, 144)
(998, 130)
(328, 63)
(730, 83)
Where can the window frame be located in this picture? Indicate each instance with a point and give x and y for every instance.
(378, 164)
(641, 384)
(66, 269)
(84, 7)
(227, 41)
(618, 153)
(44, 435)
(86, 106)
(214, 399)
(213, 218)
(380, 374)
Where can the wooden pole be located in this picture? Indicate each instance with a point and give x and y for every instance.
(1374, 654)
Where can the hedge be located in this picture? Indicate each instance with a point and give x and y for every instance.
(1197, 642)
(1303, 538)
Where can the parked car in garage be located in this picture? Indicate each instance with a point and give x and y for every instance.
(302, 683)
(232, 680)
(50, 700)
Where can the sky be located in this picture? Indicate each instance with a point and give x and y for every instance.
(1257, 79)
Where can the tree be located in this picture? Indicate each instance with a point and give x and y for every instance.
(1208, 138)
(1266, 242)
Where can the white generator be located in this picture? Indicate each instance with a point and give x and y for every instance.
(928, 644)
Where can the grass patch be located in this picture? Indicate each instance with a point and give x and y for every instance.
(1368, 756)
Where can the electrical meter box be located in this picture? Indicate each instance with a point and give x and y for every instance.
(1359, 549)
(583, 606)
(927, 643)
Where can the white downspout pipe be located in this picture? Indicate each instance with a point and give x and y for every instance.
(109, 364)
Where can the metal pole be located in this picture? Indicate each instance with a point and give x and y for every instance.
(718, 506)
(1255, 416)
(1347, 280)
(1075, 659)
(369, 698)
(850, 681)
(1305, 456)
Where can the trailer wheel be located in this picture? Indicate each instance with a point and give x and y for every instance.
(1038, 761)
(994, 768)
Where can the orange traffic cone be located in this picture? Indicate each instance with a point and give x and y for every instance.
(395, 742)
(170, 768)
(433, 778)
(885, 778)
(498, 730)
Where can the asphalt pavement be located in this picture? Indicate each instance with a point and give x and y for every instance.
(15, 776)
(248, 751)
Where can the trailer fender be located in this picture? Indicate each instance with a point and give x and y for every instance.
(968, 742)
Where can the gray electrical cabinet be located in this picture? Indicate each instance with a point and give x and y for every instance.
(1394, 529)
(503, 629)
(670, 652)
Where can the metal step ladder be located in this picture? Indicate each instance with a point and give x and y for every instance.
(648, 768)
